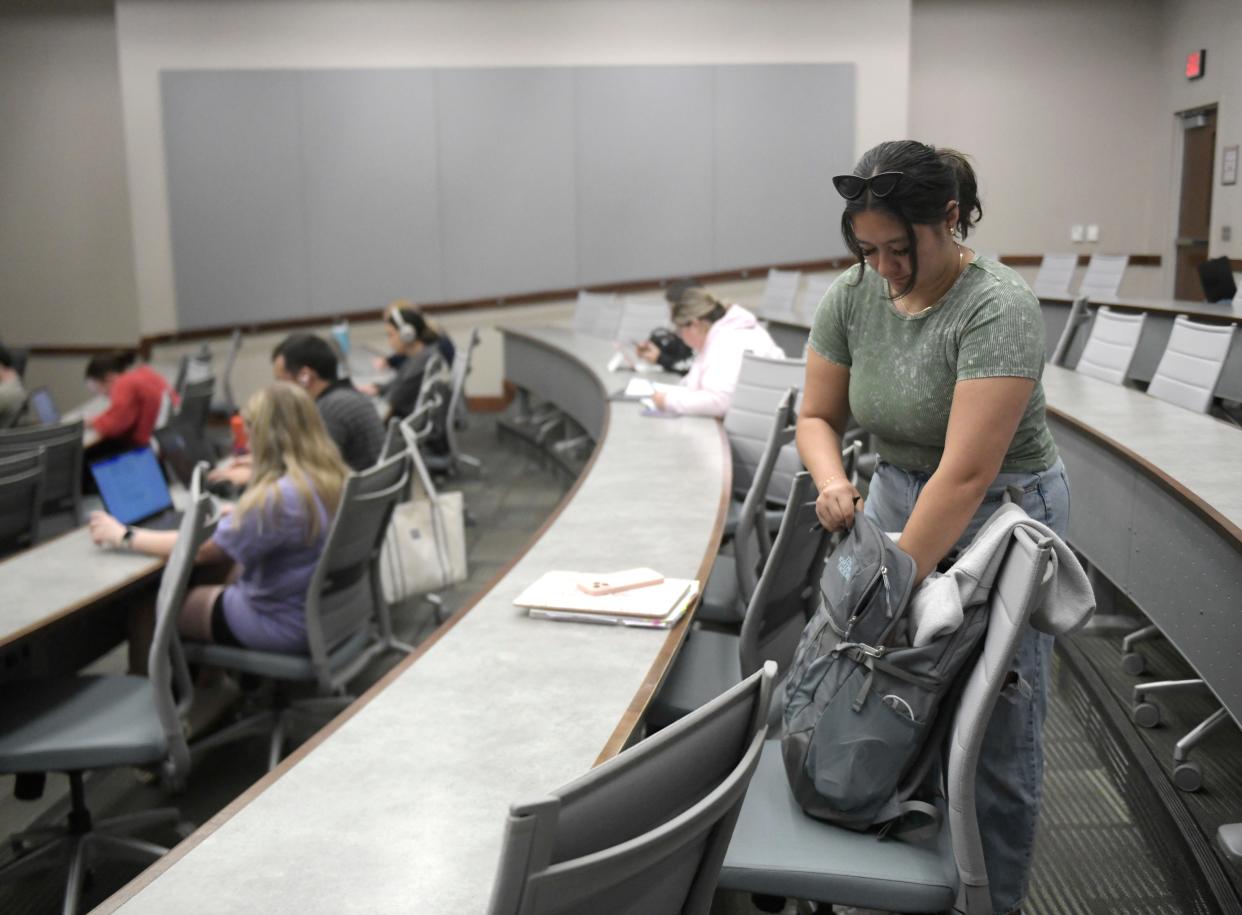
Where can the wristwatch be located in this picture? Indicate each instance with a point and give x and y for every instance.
(127, 538)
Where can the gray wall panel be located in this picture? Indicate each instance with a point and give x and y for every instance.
(371, 191)
(235, 199)
(782, 132)
(644, 139)
(506, 179)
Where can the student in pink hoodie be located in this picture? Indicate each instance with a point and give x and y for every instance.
(719, 334)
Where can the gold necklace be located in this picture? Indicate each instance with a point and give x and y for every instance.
(961, 254)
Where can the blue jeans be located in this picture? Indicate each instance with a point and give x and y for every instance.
(1011, 761)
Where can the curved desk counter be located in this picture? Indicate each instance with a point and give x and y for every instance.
(1156, 492)
(399, 806)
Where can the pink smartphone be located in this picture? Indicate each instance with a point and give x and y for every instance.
(612, 582)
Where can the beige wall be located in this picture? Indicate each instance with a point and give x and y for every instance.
(1056, 102)
(66, 256)
(155, 35)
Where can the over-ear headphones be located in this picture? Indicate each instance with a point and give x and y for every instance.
(405, 330)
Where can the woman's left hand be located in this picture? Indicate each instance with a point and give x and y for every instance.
(659, 398)
(369, 389)
(106, 530)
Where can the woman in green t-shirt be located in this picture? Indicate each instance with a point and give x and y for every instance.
(938, 353)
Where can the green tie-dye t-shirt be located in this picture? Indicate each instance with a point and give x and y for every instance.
(903, 367)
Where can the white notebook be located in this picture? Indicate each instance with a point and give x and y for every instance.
(559, 592)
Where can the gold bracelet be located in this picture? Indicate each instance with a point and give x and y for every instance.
(824, 485)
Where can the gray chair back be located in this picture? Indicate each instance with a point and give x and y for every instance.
(761, 383)
(62, 443)
(647, 830)
(462, 362)
(1111, 346)
(787, 594)
(1191, 365)
(817, 287)
(1104, 275)
(640, 315)
(597, 314)
(780, 292)
(1056, 271)
(1078, 315)
(227, 403)
(1021, 584)
(195, 404)
(752, 540)
(166, 665)
(21, 498)
(344, 595)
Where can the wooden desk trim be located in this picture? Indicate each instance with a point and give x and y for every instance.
(1222, 525)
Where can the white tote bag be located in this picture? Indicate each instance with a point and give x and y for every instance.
(425, 548)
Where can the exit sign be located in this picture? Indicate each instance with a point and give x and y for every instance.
(1196, 61)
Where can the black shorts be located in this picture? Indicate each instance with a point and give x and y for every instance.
(221, 634)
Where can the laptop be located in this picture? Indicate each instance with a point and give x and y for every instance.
(44, 406)
(183, 450)
(134, 490)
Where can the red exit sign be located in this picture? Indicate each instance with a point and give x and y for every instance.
(1196, 61)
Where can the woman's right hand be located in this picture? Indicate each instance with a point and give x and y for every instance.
(648, 350)
(837, 502)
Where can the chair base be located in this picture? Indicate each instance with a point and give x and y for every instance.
(304, 715)
(80, 841)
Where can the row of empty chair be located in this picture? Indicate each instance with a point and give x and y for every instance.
(1101, 281)
(784, 291)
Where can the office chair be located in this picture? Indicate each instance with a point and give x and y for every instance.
(62, 443)
(21, 498)
(1054, 276)
(780, 292)
(640, 315)
(597, 314)
(783, 602)
(1103, 277)
(226, 404)
(90, 722)
(1078, 315)
(195, 407)
(778, 850)
(761, 383)
(454, 414)
(1111, 346)
(734, 575)
(645, 831)
(1191, 364)
(817, 287)
(345, 617)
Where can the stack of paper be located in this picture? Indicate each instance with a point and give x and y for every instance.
(556, 595)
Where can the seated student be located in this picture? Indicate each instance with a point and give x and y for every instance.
(12, 394)
(275, 534)
(409, 335)
(719, 334)
(443, 341)
(136, 397)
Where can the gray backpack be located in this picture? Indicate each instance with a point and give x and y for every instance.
(860, 728)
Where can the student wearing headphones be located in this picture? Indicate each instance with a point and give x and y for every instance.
(136, 397)
(443, 341)
(411, 337)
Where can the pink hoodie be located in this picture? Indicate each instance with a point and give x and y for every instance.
(708, 388)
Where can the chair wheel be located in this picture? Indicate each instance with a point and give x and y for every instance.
(184, 829)
(1146, 715)
(1188, 776)
(1133, 663)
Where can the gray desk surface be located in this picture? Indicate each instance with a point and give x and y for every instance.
(56, 578)
(1202, 454)
(1190, 308)
(401, 808)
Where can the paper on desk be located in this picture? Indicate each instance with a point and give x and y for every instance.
(559, 591)
(639, 387)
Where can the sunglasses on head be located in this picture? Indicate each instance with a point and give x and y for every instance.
(851, 187)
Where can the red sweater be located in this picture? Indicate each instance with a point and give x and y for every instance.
(134, 405)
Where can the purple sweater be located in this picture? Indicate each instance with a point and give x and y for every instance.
(266, 607)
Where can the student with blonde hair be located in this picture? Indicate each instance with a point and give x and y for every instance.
(275, 534)
(719, 335)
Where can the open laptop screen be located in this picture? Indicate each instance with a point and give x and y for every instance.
(132, 486)
(44, 407)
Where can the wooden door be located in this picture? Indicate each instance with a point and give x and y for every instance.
(1195, 210)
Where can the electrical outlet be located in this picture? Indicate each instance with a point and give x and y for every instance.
(1226, 233)
(1076, 233)
(1093, 232)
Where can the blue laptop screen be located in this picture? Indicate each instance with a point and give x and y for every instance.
(44, 406)
(132, 486)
